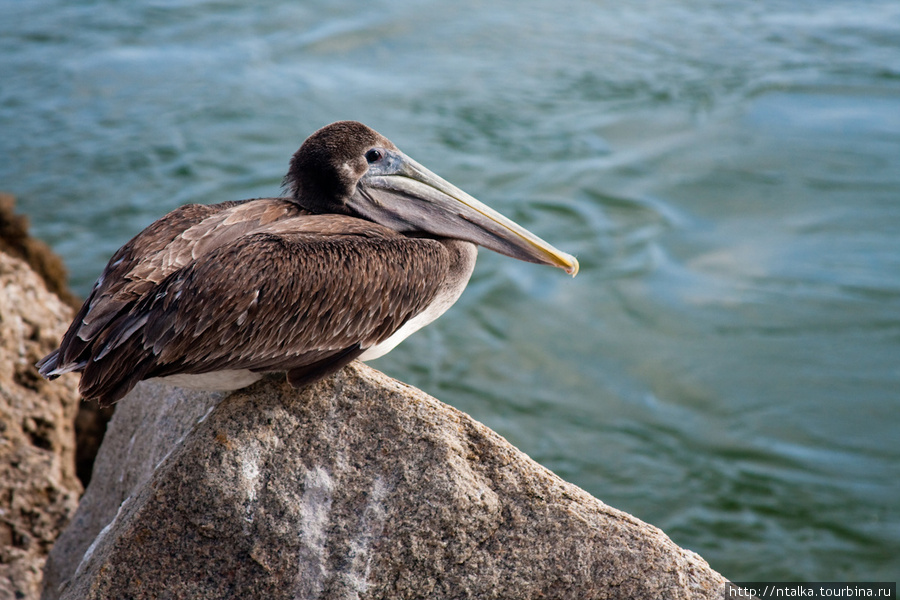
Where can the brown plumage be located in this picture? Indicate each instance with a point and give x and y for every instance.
(266, 285)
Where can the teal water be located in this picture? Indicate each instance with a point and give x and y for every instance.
(727, 364)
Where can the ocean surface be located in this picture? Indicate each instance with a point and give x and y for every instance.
(726, 366)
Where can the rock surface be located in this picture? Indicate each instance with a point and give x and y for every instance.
(90, 424)
(38, 487)
(356, 487)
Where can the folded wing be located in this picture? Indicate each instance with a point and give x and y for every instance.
(259, 286)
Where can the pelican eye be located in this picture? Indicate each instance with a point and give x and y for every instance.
(374, 155)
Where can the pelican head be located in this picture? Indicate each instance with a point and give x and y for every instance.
(348, 168)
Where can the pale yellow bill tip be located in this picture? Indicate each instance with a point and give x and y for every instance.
(571, 265)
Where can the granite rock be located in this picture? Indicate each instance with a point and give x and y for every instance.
(38, 488)
(356, 487)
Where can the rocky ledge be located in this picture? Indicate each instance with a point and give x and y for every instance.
(357, 487)
(38, 487)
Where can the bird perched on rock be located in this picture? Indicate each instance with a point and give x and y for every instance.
(369, 247)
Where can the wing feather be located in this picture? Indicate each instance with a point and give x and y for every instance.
(152, 255)
(302, 294)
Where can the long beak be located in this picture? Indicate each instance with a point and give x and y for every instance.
(402, 194)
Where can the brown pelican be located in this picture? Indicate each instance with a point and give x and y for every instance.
(369, 247)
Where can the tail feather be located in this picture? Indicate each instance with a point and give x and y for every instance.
(48, 363)
(50, 368)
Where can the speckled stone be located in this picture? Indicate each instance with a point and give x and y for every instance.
(38, 487)
(356, 487)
